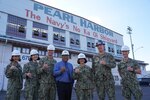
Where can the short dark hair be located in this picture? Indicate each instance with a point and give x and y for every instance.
(85, 61)
(30, 59)
(11, 59)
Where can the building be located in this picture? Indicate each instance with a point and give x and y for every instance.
(27, 24)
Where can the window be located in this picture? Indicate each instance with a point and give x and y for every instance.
(89, 59)
(16, 48)
(118, 51)
(62, 38)
(57, 54)
(23, 50)
(90, 44)
(16, 26)
(77, 42)
(59, 36)
(110, 48)
(93, 46)
(36, 32)
(40, 31)
(74, 40)
(21, 29)
(44, 34)
(56, 36)
(118, 48)
(42, 52)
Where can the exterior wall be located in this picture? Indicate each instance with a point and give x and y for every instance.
(37, 12)
(4, 60)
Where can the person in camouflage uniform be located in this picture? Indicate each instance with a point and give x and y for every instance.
(128, 69)
(101, 66)
(31, 77)
(85, 84)
(14, 74)
(47, 89)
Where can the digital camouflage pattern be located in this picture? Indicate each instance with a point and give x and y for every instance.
(84, 85)
(15, 81)
(47, 90)
(31, 84)
(102, 75)
(129, 81)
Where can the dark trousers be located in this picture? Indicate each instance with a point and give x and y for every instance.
(64, 90)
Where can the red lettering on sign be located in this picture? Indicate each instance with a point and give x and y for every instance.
(30, 14)
(56, 23)
(95, 34)
(76, 29)
(86, 32)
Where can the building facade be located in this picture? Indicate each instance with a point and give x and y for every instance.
(27, 24)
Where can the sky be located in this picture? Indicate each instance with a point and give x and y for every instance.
(115, 15)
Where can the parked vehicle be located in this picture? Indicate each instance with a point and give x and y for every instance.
(144, 81)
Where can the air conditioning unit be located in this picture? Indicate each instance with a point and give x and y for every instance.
(44, 35)
(36, 32)
(88, 44)
(72, 41)
(55, 36)
(21, 29)
(77, 42)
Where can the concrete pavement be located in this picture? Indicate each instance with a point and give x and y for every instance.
(146, 94)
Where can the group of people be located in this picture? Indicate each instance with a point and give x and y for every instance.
(45, 77)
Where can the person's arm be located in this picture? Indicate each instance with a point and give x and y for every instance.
(8, 71)
(76, 73)
(90, 75)
(93, 66)
(137, 71)
(136, 68)
(111, 63)
(11, 71)
(25, 70)
(40, 69)
(119, 70)
(57, 70)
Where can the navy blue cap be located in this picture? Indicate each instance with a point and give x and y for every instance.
(100, 42)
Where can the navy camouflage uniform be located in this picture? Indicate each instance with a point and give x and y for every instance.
(85, 84)
(129, 81)
(47, 89)
(102, 75)
(31, 84)
(15, 81)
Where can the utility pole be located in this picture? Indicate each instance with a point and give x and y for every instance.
(132, 45)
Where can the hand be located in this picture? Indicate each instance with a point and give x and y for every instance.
(13, 67)
(103, 62)
(130, 68)
(77, 70)
(29, 75)
(63, 69)
(45, 66)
